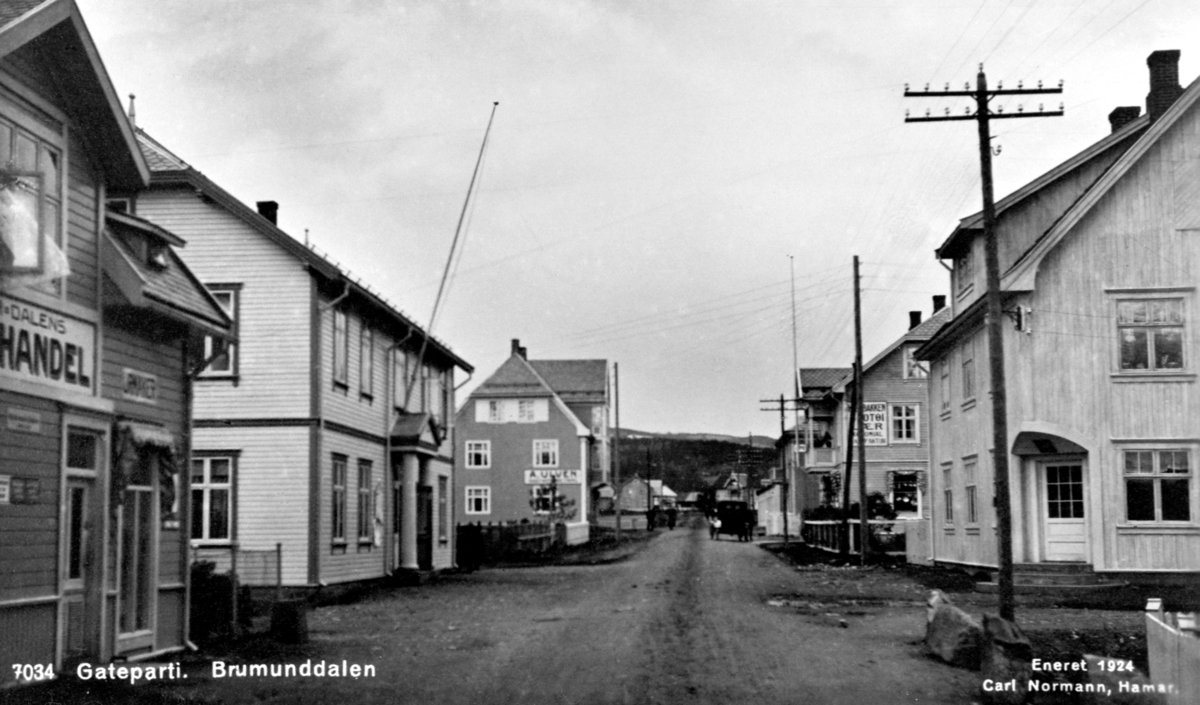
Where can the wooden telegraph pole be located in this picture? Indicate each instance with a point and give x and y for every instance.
(864, 536)
(982, 116)
(617, 448)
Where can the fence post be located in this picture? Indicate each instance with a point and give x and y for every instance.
(278, 571)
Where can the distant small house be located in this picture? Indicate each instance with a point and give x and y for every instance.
(634, 495)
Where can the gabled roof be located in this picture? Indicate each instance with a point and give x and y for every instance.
(817, 381)
(168, 169)
(56, 28)
(919, 334)
(575, 380)
(168, 286)
(514, 378)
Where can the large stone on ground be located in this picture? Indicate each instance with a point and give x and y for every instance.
(1126, 687)
(1005, 660)
(951, 634)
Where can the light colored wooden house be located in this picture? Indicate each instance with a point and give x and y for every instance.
(327, 428)
(101, 326)
(531, 436)
(1099, 260)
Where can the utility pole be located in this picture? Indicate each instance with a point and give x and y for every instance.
(864, 536)
(782, 432)
(844, 538)
(617, 448)
(982, 116)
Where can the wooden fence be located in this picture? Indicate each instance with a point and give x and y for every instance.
(887, 535)
(487, 543)
(1174, 651)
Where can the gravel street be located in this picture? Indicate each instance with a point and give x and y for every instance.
(687, 619)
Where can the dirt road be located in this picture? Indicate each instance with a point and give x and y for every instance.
(686, 620)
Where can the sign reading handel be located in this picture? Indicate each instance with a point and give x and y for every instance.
(562, 477)
(42, 346)
(874, 423)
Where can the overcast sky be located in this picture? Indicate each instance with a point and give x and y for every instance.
(651, 168)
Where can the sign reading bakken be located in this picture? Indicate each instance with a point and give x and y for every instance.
(874, 422)
(45, 347)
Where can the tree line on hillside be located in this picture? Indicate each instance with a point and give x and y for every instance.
(688, 465)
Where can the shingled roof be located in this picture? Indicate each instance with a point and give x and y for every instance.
(575, 380)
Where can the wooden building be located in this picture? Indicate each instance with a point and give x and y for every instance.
(327, 428)
(533, 437)
(1098, 259)
(809, 452)
(896, 418)
(101, 327)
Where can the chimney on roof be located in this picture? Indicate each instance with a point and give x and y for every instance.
(268, 210)
(1164, 82)
(523, 355)
(516, 347)
(1122, 116)
(132, 111)
(939, 302)
(914, 319)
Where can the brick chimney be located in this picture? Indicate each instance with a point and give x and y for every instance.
(268, 210)
(1122, 116)
(939, 302)
(914, 319)
(516, 346)
(1164, 82)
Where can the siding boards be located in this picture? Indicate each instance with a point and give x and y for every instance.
(273, 307)
(81, 226)
(29, 533)
(355, 562)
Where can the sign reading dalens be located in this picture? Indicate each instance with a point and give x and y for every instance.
(45, 347)
(562, 477)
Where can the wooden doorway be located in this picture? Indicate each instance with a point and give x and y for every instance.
(1064, 513)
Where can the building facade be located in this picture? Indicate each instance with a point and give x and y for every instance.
(326, 429)
(101, 329)
(532, 437)
(1098, 260)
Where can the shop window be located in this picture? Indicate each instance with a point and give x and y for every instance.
(1151, 333)
(906, 493)
(1157, 485)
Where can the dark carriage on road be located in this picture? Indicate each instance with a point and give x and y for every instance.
(737, 519)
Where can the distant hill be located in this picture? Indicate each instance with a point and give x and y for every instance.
(757, 441)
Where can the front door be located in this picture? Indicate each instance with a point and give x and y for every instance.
(80, 568)
(397, 512)
(1064, 514)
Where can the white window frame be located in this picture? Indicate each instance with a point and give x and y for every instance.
(341, 348)
(968, 371)
(366, 362)
(366, 514)
(526, 411)
(1156, 475)
(1148, 328)
(337, 516)
(481, 494)
(211, 345)
(948, 495)
(52, 194)
(915, 419)
(545, 447)
(206, 486)
(970, 468)
(482, 448)
(914, 368)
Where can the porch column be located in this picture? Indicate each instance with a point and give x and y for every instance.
(408, 514)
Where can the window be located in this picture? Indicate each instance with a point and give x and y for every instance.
(914, 368)
(1157, 485)
(968, 371)
(479, 500)
(341, 366)
(545, 454)
(525, 411)
(905, 427)
(972, 505)
(222, 354)
(1064, 491)
(437, 395)
(495, 412)
(366, 519)
(443, 485)
(543, 498)
(137, 560)
(338, 515)
(212, 492)
(948, 495)
(964, 271)
(1151, 334)
(366, 365)
(479, 454)
(906, 497)
(31, 237)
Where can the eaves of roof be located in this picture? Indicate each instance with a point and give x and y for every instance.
(953, 330)
(974, 223)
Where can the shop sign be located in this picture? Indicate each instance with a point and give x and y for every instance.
(875, 423)
(140, 387)
(46, 347)
(24, 420)
(562, 477)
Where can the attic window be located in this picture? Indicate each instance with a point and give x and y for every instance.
(157, 257)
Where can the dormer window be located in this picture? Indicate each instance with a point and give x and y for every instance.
(157, 256)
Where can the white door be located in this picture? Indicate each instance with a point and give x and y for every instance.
(1063, 507)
